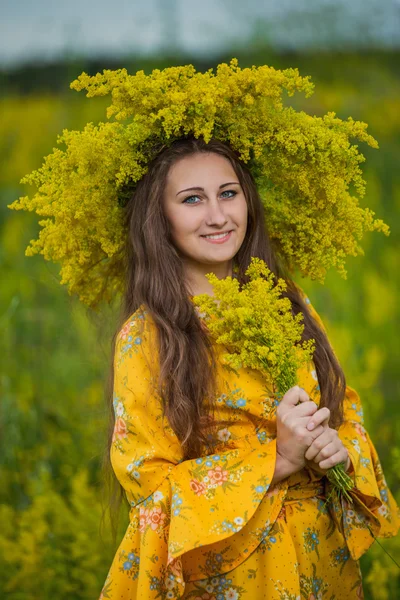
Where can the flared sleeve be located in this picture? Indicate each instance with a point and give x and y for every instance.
(373, 511)
(201, 509)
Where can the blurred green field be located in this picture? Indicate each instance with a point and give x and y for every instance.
(55, 354)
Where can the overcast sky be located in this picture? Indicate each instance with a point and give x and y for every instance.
(45, 29)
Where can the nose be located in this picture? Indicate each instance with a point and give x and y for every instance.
(215, 214)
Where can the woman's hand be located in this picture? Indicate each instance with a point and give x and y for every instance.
(293, 438)
(326, 451)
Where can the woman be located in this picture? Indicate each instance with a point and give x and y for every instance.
(226, 490)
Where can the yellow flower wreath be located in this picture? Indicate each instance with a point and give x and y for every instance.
(303, 167)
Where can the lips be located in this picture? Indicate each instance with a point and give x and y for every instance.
(219, 233)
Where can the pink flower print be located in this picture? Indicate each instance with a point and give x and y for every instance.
(218, 475)
(120, 429)
(224, 434)
(175, 566)
(197, 487)
(156, 517)
(124, 332)
(383, 510)
(143, 518)
(169, 583)
(205, 596)
(360, 430)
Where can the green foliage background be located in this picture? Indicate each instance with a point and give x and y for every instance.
(55, 354)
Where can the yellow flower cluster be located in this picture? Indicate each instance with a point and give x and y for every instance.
(256, 325)
(259, 329)
(305, 168)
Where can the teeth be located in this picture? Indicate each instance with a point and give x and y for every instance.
(216, 237)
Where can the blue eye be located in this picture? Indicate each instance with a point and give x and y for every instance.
(225, 192)
(188, 198)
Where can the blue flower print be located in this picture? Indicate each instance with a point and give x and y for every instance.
(262, 436)
(384, 495)
(176, 504)
(359, 411)
(339, 557)
(316, 585)
(311, 540)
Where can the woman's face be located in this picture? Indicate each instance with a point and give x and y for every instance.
(203, 196)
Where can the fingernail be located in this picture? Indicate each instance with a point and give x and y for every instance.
(310, 426)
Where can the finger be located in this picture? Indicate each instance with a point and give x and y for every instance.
(318, 444)
(335, 459)
(292, 420)
(316, 433)
(326, 452)
(321, 416)
(294, 395)
(305, 409)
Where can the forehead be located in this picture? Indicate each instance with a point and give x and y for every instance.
(199, 168)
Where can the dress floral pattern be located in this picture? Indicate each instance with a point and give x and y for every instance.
(214, 528)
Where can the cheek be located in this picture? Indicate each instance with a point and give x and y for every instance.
(242, 215)
(183, 224)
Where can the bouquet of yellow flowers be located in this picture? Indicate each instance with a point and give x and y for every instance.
(258, 328)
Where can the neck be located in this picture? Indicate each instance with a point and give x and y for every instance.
(197, 282)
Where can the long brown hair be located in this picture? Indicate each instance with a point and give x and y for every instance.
(182, 341)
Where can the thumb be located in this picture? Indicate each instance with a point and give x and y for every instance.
(313, 421)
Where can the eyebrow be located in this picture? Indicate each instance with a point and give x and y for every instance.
(202, 189)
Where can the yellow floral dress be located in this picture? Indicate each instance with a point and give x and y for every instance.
(213, 528)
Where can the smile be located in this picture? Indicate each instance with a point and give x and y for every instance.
(218, 239)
